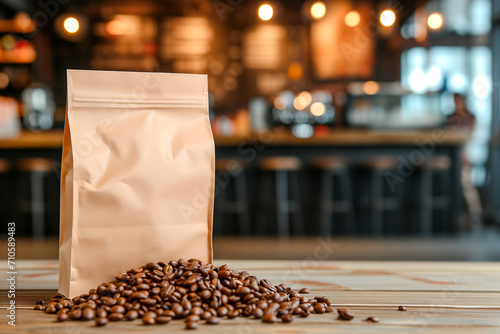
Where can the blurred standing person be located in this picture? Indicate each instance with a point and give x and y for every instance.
(462, 119)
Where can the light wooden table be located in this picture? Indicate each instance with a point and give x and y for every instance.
(440, 297)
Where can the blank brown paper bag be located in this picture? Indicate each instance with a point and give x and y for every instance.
(137, 174)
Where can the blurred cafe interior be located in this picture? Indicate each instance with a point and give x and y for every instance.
(373, 126)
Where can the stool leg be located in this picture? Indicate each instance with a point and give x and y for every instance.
(325, 227)
(242, 198)
(425, 198)
(37, 205)
(345, 180)
(297, 215)
(377, 207)
(445, 184)
(263, 200)
(282, 205)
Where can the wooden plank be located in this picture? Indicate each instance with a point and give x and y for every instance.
(391, 320)
(373, 299)
(336, 275)
(470, 306)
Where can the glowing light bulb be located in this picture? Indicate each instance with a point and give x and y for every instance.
(352, 18)
(300, 102)
(307, 96)
(280, 103)
(387, 18)
(435, 21)
(266, 12)
(318, 109)
(318, 10)
(71, 25)
(371, 87)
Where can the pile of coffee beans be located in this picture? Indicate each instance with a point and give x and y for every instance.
(159, 292)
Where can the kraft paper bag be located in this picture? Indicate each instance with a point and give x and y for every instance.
(137, 181)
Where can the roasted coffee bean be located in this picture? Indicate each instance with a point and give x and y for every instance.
(206, 315)
(319, 308)
(197, 310)
(233, 314)
(147, 320)
(109, 301)
(243, 290)
(206, 294)
(304, 291)
(163, 320)
(269, 317)
(75, 314)
(100, 313)
(132, 315)
(101, 321)
(193, 317)
(88, 314)
(169, 313)
(150, 314)
(401, 308)
(51, 309)
(192, 325)
(115, 316)
(344, 314)
(222, 311)
(189, 290)
(212, 321)
(62, 317)
(140, 295)
(323, 299)
(117, 309)
(372, 319)
(177, 308)
(258, 313)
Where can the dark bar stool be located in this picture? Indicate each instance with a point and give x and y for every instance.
(38, 169)
(5, 199)
(332, 169)
(439, 167)
(287, 194)
(233, 175)
(380, 200)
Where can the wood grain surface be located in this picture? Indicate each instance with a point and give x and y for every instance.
(441, 297)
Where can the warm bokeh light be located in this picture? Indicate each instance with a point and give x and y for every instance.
(387, 18)
(4, 80)
(371, 87)
(300, 102)
(352, 18)
(266, 12)
(307, 96)
(435, 21)
(318, 109)
(295, 71)
(280, 103)
(318, 10)
(71, 25)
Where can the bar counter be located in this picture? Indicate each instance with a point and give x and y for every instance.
(355, 145)
(440, 297)
(53, 138)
